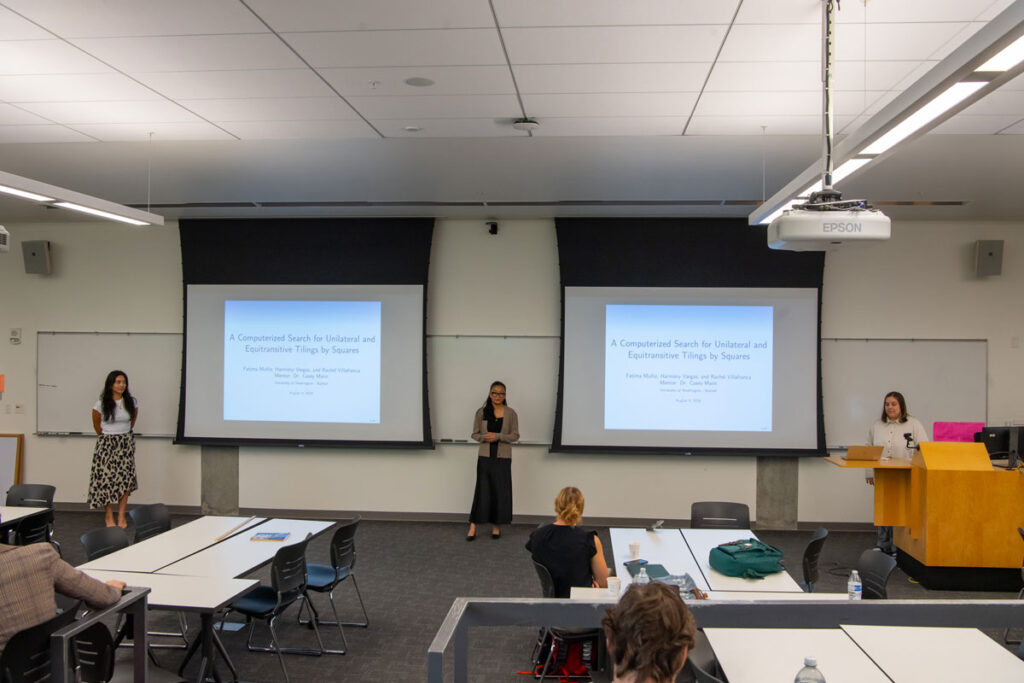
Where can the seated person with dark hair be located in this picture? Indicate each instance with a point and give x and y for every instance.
(29, 576)
(572, 555)
(649, 633)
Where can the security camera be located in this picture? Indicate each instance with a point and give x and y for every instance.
(492, 227)
(5, 240)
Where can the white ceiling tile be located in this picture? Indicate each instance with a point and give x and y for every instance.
(72, 88)
(751, 125)
(41, 134)
(780, 43)
(197, 85)
(104, 18)
(271, 109)
(606, 44)
(300, 130)
(858, 103)
(612, 126)
(372, 15)
(757, 76)
(437, 107)
(192, 53)
(896, 42)
(962, 124)
(1016, 129)
(612, 12)
(993, 8)
(46, 57)
(610, 104)
(161, 132)
(467, 47)
(74, 113)
(10, 115)
(448, 80)
(881, 75)
(611, 78)
(759, 104)
(14, 27)
(448, 128)
(910, 11)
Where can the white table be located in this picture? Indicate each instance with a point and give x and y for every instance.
(909, 654)
(172, 545)
(239, 554)
(781, 596)
(664, 546)
(9, 514)
(701, 541)
(774, 655)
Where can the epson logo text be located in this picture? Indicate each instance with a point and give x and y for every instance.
(841, 227)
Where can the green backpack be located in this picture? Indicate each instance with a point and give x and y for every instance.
(748, 557)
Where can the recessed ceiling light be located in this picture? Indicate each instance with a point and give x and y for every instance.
(412, 129)
(419, 82)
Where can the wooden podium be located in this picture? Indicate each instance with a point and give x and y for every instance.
(953, 515)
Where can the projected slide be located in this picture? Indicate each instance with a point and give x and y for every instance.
(302, 361)
(688, 367)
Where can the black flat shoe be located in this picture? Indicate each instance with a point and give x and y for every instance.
(495, 537)
(470, 538)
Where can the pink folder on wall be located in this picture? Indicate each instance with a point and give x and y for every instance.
(956, 431)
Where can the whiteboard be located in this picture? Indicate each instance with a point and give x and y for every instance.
(942, 380)
(461, 369)
(72, 367)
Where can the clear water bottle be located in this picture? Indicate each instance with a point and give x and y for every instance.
(641, 577)
(854, 588)
(810, 672)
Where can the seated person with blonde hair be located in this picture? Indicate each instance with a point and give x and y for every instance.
(649, 633)
(572, 555)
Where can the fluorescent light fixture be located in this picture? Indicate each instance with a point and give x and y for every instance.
(1007, 59)
(956, 94)
(52, 195)
(849, 168)
(946, 89)
(25, 195)
(97, 212)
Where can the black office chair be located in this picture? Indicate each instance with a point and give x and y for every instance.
(103, 541)
(93, 651)
(719, 515)
(36, 528)
(874, 568)
(553, 643)
(31, 495)
(150, 520)
(26, 657)
(324, 578)
(287, 586)
(811, 554)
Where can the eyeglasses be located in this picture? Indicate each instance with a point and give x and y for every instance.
(497, 393)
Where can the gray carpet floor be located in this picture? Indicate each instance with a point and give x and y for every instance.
(409, 573)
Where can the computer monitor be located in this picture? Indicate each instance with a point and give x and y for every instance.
(1001, 442)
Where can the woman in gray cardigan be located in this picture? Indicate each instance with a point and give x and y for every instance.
(495, 426)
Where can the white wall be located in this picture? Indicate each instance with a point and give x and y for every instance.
(920, 284)
(109, 278)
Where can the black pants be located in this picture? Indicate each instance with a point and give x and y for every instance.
(492, 501)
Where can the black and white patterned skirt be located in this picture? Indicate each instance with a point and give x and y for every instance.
(113, 469)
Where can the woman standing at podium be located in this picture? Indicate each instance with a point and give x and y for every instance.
(899, 434)
(112, 476)
(495, 426)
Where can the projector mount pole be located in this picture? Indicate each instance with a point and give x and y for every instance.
(828, 15)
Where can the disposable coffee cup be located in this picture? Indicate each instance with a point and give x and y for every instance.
(614, 586)
(634, 550)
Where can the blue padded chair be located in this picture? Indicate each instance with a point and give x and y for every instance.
(150, 520)
(324, 578)
(31, 495)
(26, 658)
(811, 554)
(287, 586)
(103, 541)
(713, 514)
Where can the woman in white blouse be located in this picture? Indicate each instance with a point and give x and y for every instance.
(112, 476)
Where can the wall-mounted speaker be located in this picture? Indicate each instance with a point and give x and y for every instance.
(988, 257)
(37, 257)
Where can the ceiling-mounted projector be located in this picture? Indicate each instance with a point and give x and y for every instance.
(827, 222)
